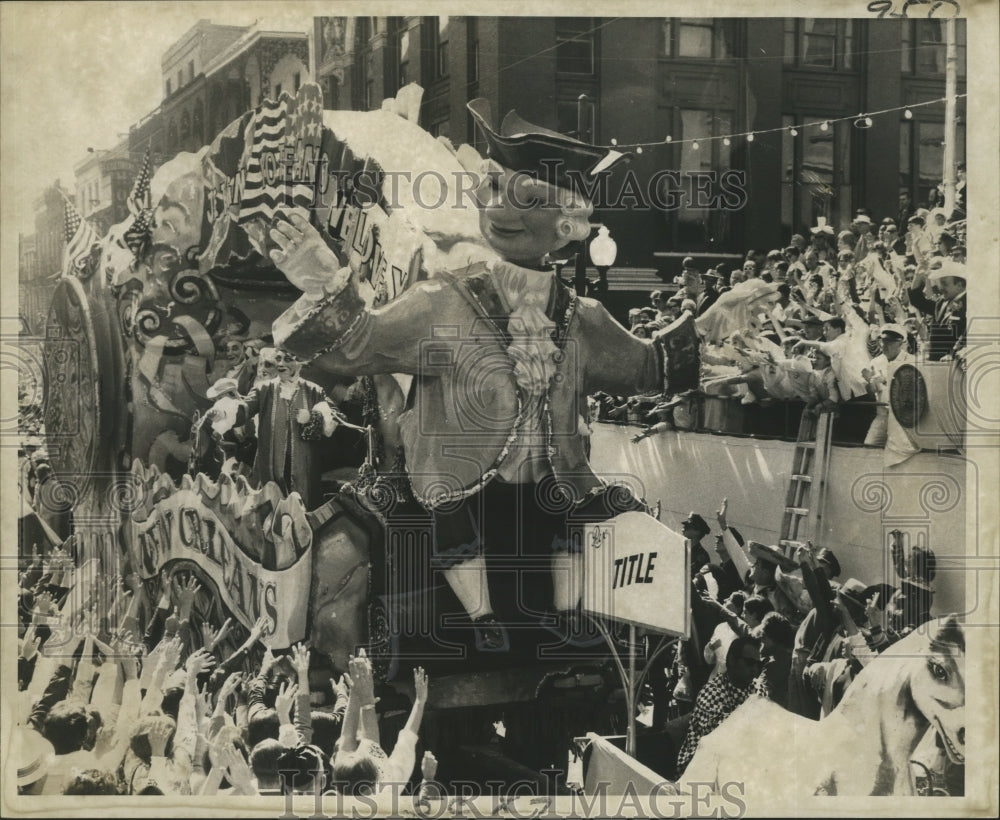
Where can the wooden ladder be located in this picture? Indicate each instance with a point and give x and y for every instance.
(807, 484)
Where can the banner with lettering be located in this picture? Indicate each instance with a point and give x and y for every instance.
(637, 570)
(394, 202)
(254, 545)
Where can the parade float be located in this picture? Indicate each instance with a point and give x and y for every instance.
(138, 340)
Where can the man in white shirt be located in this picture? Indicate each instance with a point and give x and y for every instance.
(878, 375)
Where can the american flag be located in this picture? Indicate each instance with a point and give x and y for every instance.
(139, 233)
(268, 182)
(138, 198)
(80, 237)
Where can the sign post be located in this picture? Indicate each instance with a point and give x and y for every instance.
(636, 571)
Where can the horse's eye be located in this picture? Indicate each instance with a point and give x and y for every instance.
(938, 671)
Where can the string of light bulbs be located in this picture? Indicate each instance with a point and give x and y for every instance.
(861, 121)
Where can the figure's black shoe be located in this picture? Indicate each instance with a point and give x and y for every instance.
(491, 635)
(572, 628)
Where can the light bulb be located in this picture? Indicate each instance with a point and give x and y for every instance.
(825, 126)
(725, 141)
(694, 145)
(908, 114)
(638, 149)
(669, 138)
(614, 141)
(794, 132)
(868, 122)
(750, 137)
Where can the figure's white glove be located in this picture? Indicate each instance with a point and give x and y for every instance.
(330, 419)
(224, 414)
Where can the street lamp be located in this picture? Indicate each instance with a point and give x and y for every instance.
(603, 251)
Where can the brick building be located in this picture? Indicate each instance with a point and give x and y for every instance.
(642, 79)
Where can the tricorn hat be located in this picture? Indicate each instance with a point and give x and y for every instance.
(550, 156)
(221, 387)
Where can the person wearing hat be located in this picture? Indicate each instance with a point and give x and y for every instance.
(33, 754)
(946, 312)
(862, 227)
(812, 327)
(694, 528)
(910, 605)
(878, 375)
(292, 414)
(488, 404)
(823, 237)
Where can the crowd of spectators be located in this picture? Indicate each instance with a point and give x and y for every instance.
(824, 322)
(781, 626)
(120, 695)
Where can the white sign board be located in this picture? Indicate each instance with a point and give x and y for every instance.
(638, 571)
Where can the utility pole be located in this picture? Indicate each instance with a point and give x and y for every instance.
(950, 131)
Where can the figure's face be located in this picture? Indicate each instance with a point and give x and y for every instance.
(234, 352)
(749, 269)
(177, 218)
(286, 366)
(267, 367)
(830, 332)
(519, 216)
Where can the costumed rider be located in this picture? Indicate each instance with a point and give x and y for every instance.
(292, 415)
(504, 356)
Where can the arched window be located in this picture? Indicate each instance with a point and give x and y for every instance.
(185, 124)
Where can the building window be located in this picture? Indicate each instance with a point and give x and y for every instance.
(169, 90)
(277, 90)
(438, 44)
(403, 55)
(190, 70)
(472, 38)
(697, 223)
(576, 116)
(921, 158)
(819, 42)
(924, 47)
(180, 79)
(297, 81)
(697, 37)
(439, 128)
(816, 180)
(574, 45)
(369, 95)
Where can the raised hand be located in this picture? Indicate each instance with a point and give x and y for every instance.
(721, 514)
(159, 733)
(300, 662)
(267, 664)
(341, 688)
(285, 700)
(230, 685)
(420, 684)
(362, 683)
(198, 662)
(185, 592)
(304, 257)
(171, 654)
(260, 625)
(428, 766)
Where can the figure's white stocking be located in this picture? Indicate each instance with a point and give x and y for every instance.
(468, 581)
(567, 580)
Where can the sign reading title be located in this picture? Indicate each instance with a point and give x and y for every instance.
(638, 571)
